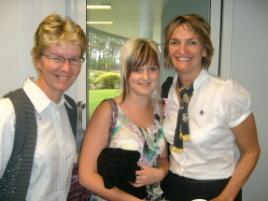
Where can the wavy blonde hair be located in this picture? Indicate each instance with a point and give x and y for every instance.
(55, 29)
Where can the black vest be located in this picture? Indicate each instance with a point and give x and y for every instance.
(15, 180)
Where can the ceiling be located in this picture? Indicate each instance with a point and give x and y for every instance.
(131, 18)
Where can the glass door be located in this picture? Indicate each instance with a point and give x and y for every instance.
(109, 23)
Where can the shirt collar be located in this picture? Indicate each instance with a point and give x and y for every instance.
(202, 76)
(37, 96)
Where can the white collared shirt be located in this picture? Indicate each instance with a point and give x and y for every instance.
(215, 107)
(55, 147)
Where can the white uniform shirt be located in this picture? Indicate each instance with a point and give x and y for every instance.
(55, 147)
(215, 107)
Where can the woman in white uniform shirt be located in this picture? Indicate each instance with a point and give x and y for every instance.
(219, 115)
(59, 45)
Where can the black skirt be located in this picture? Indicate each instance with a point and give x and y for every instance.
(177, 188)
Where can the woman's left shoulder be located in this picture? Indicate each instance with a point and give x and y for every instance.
(235, 88)
(229, 86)
(234, 97)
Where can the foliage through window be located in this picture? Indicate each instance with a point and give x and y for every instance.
(103, 66)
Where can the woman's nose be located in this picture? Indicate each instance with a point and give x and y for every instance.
(66, 66)
(145, 74)
(182, 48)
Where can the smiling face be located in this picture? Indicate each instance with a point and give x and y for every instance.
(139, 67)
(55, 77)
(143, 80)
(186, 51)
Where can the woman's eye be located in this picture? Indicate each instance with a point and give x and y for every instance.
(153, 68)
(75, 60)
(137, 69)
(174, 42)
(193, 42)
(57, 59)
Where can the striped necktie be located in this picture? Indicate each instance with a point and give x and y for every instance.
(182, 132)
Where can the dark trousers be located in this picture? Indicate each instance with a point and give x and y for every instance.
(177, 188)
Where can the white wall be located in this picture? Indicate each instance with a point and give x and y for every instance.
(245, 53)
(18, 21)
(9, 51)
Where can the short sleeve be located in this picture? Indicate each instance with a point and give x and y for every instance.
(236, 103)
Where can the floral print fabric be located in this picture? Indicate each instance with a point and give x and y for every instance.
(148, 141)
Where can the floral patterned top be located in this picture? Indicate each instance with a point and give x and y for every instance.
(148, 141)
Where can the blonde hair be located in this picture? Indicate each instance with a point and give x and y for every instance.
(55, 29)
(136, 52)
(197, 25)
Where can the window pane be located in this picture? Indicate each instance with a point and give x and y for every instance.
(109, 28)
(103, 63)
(128, 19)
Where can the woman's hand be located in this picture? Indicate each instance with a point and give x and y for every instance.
(147, 175)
